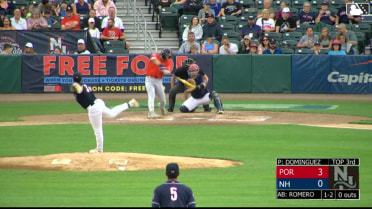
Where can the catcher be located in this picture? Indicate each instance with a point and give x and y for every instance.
(199, 93)
(96, 107)
(182, 73)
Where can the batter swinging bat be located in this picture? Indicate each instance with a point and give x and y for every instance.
(186, 82)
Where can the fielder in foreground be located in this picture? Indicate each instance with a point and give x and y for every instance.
(173, 194)
(199, 93)
(96, 107)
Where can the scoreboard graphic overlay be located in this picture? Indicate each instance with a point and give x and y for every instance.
(316, 178)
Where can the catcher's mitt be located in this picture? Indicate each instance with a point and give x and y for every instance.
(190, 88)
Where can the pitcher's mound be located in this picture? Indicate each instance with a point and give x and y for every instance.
(108, 161)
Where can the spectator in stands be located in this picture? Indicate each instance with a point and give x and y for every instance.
(190, 7)
(81, 7)
(102, 7)
(44, 5)
(7, 24)
(57, 50)
(97, 20)
(162, 4)
(185, 47)
(251, 29)
(29, 48)
(194, 49)
(216, 6)
(325, 39)
(95, 35)
(245, 46)
(266, 6)
(266, 23)
(24, 13)
(263, 45)
(195, 27)
(285, 23)
(48, 17)
(230, 7)
(7, 49)
(342, 17)
(253, 48)
(325, 16)
(63, 10)
(282, 5)
(212, 29)
(36, 21)
(3, 8)
(82, 49)
(272, 47)
(71, 21)
(336, 46)
(17, 21)
(56, 8)
(316, 49)
(305, 16)
(349, 34)
(113, 33)
(209, 46)
(227, 47)
(346, 46)
(308, 39)
(205, 11)
(112, 15)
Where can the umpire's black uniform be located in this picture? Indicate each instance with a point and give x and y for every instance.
(179, 87)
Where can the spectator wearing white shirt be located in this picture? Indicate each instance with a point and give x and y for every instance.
(112, 15)
(227, 47)
(17, 21)
(95, 35)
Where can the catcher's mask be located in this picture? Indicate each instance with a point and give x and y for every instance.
(77, 77)
(193, 71)
(166, 53)
(189, 61)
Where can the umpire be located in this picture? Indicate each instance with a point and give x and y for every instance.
(173, 194)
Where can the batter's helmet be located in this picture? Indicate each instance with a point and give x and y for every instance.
(193, 67)
(166, 52)
(77, 77)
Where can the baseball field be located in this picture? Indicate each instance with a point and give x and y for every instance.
(228, 160)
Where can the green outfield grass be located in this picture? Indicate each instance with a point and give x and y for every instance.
(251, 184)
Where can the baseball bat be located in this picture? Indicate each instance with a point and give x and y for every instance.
(186, 82)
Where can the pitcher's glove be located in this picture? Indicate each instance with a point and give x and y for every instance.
(76, 87)
(192, 86)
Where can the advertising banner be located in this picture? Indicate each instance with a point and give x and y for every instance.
(104, 73)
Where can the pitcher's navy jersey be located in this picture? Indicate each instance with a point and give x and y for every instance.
(173, 194)
(86, 97)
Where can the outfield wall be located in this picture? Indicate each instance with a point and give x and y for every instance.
(227, 73)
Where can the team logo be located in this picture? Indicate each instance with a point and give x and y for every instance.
(344, 177)
(357, 9)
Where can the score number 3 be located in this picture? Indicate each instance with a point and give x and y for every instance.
(173, 193)
(320, 182)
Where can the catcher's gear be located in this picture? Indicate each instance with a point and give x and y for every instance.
(192, 86)
(165, 53)
(216, 101)
(76, 87)
(77, 77)
(193, 71)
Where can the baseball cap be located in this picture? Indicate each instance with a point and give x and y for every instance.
(250, 17)
(81, 41)
(272, 40)
(206, 2)
(336, 42)
(29, 45)
(253, 45)
(69, 8)
(316, 44)
(324, 3)
(210, 15)
(286, 10)
(172, 170)
(91, 20)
